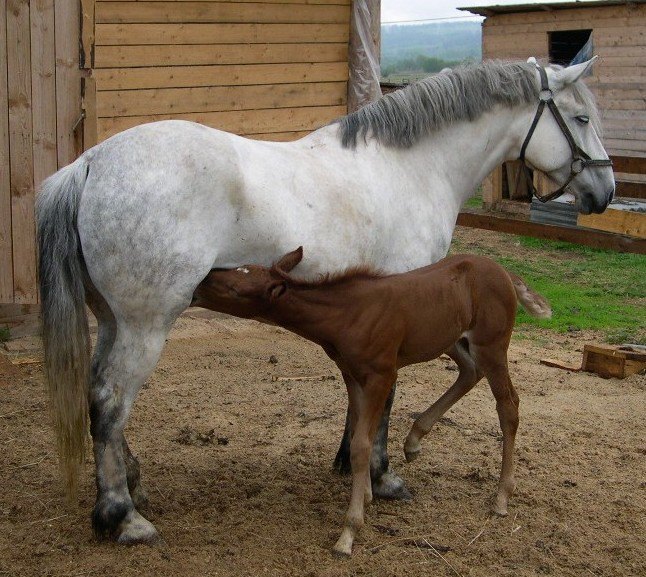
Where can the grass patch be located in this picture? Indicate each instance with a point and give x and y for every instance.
(587, 288)
(5, 334)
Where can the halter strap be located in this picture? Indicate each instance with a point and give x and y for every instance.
(580, 159)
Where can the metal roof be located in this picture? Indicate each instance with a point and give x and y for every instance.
(545, 6)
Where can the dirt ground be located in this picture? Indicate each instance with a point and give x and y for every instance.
(236, 456)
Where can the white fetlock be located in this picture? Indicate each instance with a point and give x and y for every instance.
(136, 529)
(344, 544)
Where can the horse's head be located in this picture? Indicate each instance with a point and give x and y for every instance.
(248, 290)
(568, 149)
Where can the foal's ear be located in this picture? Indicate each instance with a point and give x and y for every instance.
(275, 290)
(290, 260)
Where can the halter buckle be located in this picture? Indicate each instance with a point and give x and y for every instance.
(577, 166)
(545, 95)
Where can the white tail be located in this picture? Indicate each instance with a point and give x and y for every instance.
(534, 303)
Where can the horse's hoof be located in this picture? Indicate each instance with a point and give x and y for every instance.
(135, 529)
(343, 547)
(391, 486)
(412, 449)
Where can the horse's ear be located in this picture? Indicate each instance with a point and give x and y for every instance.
(276, 290)
(290, 260)
(571, 74)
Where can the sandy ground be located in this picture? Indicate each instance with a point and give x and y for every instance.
(236, 457)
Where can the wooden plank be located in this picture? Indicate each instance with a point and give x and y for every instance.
(598, 25)
(68, 81)
(578, 14)
(629, 164)
(492, 188)
(225, 75)
(205, 54)
(90, 136)
(633, 145)
(218, 98)
(21, 159)
(587, 237)
(122, 34)
(280, 136)
(619, 221)
(43, 89)
(630, 189)
(87, 33)
(6, 257)
(239, 122)
(131, 12)
(342, 2)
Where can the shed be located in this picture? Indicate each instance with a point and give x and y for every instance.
(74, 72)
(556, 32)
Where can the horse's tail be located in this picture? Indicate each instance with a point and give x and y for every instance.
(65, 331)
(534, 303)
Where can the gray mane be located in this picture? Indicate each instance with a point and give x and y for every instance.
(401, 118)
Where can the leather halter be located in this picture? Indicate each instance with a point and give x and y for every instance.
(580, 159)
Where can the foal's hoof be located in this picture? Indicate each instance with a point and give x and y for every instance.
(391, 486)
(135, 529)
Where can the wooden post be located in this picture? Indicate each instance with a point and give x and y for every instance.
(363, 82)
(21, 163)
(68, 81)
(492, 189)
(6, 259)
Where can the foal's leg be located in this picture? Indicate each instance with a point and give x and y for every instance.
(368, 402)
(117, 379)
(386, 484)
(493, 362)
(467, 379)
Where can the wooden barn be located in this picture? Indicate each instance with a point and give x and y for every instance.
(556, 32)
(74, 72)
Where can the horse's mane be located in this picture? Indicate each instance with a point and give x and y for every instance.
(401, 118)
(332, 279)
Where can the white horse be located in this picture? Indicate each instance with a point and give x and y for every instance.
(134, 224)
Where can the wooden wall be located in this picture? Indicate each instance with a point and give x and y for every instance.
(40, 104)
(271, 69)
(619, 77)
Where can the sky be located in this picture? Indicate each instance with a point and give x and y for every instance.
(398, 10)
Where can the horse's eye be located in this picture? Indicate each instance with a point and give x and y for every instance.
(583, 119)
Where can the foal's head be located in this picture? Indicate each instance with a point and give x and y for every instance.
(247, 290)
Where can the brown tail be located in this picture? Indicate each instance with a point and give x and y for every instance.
(535, 304)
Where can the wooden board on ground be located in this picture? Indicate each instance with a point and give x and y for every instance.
(613, 361)
(620, 221)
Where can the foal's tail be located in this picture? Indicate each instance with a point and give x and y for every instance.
(535, 304)
(64, 322)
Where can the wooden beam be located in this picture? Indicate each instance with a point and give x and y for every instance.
(6, 258)
(592, 238)
(87, 33)
(158, 12)
(21, 157)
(43, 89)
(218, 98)
(629, 164)
(68, 81)
(205, 54)
(123, 34)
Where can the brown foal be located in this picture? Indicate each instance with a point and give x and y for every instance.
(371, 325)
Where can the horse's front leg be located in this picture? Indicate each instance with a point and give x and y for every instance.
(367, 402)
(386, 484)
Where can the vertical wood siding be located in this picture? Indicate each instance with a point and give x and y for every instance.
(39, 78)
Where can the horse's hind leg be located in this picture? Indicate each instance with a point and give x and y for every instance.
(493, 361)
(117, 379)
(468, 376)
(107, 331)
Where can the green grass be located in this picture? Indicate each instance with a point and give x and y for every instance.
(587, 288)
(5, 334)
